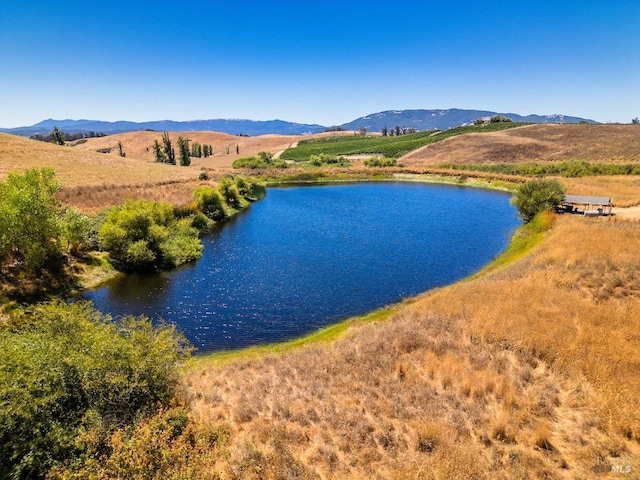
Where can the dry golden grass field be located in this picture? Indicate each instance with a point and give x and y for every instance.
(535, 143)
(530, 370)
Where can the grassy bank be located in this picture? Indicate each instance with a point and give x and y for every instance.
(527, 370)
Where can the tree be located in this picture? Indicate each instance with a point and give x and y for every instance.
(183, 150)
(29, 228)
(196, 150)
(499, 119)
(120, 150)
(385, 131)
(58, 137)
(158, 153)
(635, 121)
(167, 150)
(536, 196)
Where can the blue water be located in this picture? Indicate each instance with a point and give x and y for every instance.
(305, 257)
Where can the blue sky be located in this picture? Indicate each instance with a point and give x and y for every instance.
(325, 62)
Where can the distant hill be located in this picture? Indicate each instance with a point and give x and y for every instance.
(418, 119)
(443, 119)
(230, 126)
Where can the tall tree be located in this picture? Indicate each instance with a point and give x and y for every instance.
(158, 153)
(58, 137)
(168, 150)
(183, 149)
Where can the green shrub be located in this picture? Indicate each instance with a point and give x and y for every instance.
(229, 192)
(29, 227)
(77, 231)
(143, 235)
(536, 196)
(328, 159)
(209, 202)
(264, 162)
(200, 222)
(68, 370)
(182, 244)
(381, 162)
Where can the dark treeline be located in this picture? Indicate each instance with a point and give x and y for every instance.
(58, 136)
(397, 131)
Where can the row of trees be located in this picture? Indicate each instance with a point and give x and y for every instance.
(165, 152)
(60, 138)
(199, 151)
(494, 119)
(397, 131)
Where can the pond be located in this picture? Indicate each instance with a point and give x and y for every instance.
(305, 257)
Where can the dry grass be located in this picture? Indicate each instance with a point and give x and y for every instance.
(535, 143)
(530, 372)
(83, 168)
(625, 190)
(139, 145)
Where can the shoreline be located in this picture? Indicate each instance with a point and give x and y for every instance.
(514, 250)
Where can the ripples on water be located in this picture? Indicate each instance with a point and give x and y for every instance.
(305, 257)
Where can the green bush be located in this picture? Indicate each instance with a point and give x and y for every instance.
(536, 196)
(328, 159)
(77, 231)
(143, 235)
(209, 202)
(229, 192)
(181, 245)
(381, 162)
(264, 162)
(29, 227)
(68, 370)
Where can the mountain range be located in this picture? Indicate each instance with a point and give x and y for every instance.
(418, 119)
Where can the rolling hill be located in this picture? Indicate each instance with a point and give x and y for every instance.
(418, 119)
(444, 119)
(230, 126)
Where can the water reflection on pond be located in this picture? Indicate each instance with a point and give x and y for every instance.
(306, 257)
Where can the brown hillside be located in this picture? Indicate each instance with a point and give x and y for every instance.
(78, 167)
(140, 145)
(535, 143)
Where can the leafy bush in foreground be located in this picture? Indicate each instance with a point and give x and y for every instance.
(69, 373)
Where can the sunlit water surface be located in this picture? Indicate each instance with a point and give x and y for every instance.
(305, 257)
